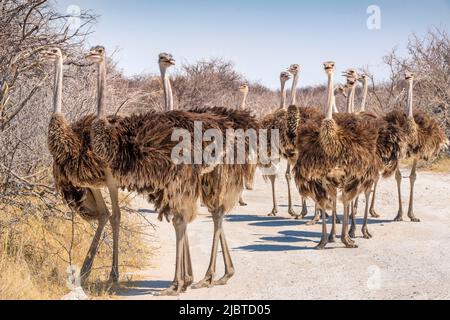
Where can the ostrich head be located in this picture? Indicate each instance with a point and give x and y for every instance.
(285, 77)
(166, 60)
(409, 76)
(244, 88)
(363, 78)
(341, 89)
(329, 67)
(352, 77)
(52, 55)
(97, 54)
(294, 69)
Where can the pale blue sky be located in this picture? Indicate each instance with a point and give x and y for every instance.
(262, 37)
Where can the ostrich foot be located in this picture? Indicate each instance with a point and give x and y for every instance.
(303, 214)
(224, 280)
(173, 291)
(323, 243)
(348, 242)
(352, 232)
(412, 217)
(399, 217)
(314, 220)
(273, 213)
(292, 213)
(114, 277)
(207, 282)
(188, 281)
(374, 214)
(365, 232)
(332, 238)
(242, 203)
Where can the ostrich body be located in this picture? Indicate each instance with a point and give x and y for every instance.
(391, 144)
(425, 141)
(244, 90)
(337, 152)
(271, 121)
(139, 149)
(79, 173)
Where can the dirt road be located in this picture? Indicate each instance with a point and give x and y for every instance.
(275, 257)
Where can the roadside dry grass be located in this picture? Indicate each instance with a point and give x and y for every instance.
(36, 250)
(439, 165)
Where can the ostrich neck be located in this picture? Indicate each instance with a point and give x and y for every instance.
(294, 90)
(351, 101)
(364, 98)
(57, 90)
(410, 101)
(244, 101)
(101, 87)
(331, 98)
(283, 95)
(168, 97)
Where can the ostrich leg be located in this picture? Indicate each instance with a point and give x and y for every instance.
(354, 211)
(274, 197)
(304, 209)
(288, 180)
(412, 178)
(115, 224)
(332, 238)
(365, 229)
(229, 268)
(187, 264)
(324, 241)
(372, 211)
(89, 260)
(208, 280)
(242, 203)
(316, 218)
(178, 283)
(398, 178)
(345, 238)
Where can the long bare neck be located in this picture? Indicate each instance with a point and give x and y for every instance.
(364, 97)
(283, 95)
(410, 100)
(351, 101)
(101, 88)
(294, 89)
(331, 98)
(168, 96)
(335, 109)
(57, 88)
(244, 101)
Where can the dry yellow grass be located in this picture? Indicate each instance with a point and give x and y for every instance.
(36, 250)
(440, 165)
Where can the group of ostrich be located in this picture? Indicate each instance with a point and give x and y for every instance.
(328, 152)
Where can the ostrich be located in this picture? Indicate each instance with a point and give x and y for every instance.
(140, 153)
(271, 121)
(244, 90)
(426, 141)
(337, 152)
(79, 173)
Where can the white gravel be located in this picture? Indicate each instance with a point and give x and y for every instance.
(275, 257)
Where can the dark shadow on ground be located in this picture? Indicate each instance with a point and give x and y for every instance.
(137, 288)
(251, 218)
(278, 223)
(146, 211)
(271, 248)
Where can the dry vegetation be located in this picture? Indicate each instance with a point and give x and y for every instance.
(39, 238)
